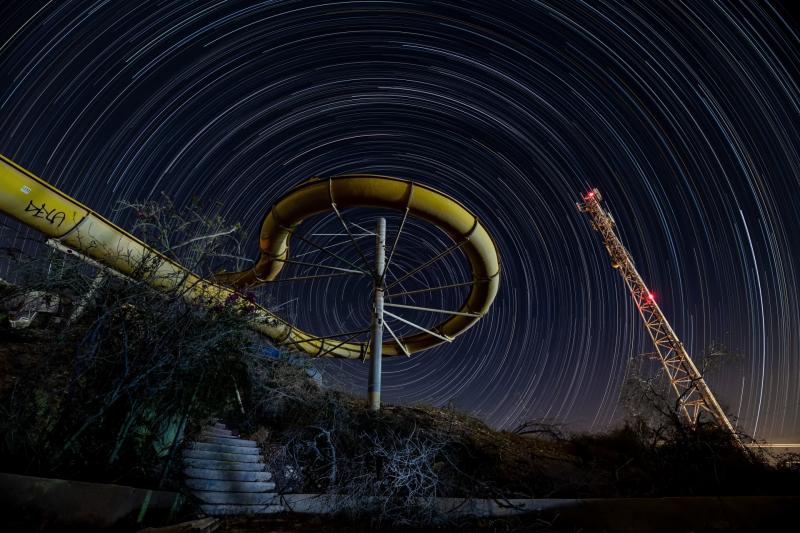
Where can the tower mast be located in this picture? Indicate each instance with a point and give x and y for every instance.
(693, 394)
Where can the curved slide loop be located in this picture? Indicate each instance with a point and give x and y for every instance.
(73, 226)
(337, 193)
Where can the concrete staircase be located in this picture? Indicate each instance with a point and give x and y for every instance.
(227, 475)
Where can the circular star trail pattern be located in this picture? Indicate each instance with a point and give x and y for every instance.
(685, 115)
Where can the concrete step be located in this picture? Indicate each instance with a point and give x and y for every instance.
(234, 457)
(232, 475)
(223, 448)
(222, 485)
(222, 510)
(213, 432)
(223, 465)
(237, 498)
(230, 441)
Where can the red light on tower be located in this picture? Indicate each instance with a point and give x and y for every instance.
(590, 195)
(651, 296)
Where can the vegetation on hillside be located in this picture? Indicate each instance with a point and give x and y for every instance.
(328, 441)
(111, 385)
(102, 388)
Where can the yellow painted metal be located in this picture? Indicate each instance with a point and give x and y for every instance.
(366, 190)
(41, 206)
(37, 203)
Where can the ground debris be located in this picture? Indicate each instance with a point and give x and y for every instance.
(203, 525)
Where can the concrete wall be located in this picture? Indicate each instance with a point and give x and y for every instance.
(37, 504)
(622, 515)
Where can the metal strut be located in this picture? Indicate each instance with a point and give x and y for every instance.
(374, 384)
(693, 394)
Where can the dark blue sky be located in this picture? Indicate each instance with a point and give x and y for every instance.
(686, 117)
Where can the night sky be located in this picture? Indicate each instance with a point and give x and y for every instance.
(685, 115)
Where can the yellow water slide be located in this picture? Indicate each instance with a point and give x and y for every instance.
(77, 228)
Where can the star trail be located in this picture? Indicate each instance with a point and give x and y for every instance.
(685, 115)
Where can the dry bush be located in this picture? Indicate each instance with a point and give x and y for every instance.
(107, 393)
(397, 475)
(386, 466)
(393, 463)
(324, 441)
(657, 453)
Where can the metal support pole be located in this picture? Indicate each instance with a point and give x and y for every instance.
(374, 388)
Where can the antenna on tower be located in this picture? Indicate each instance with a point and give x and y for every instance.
(694, 396)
